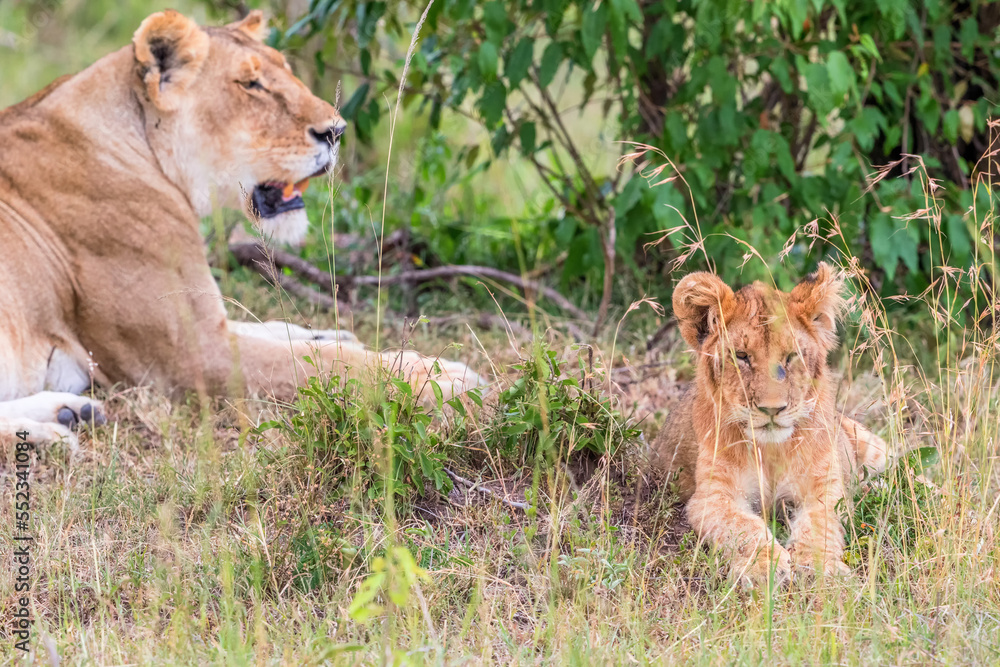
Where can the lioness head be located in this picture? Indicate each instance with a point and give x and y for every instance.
(761, 352)
(229, 122)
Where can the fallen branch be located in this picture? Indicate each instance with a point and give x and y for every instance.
(295, 288)
(250, 252)
(473, 486)
(483, 321)
(661, 334)
(253, 256)
(424, 275)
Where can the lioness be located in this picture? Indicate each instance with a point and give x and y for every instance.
(760, 423)
(104, 176)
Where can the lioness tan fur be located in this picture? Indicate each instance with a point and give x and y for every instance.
(104, 176)
(760, 425)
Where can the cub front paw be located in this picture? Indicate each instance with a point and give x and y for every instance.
(826, 565)
(775, 563)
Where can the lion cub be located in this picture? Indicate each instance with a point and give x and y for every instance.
(760, 425)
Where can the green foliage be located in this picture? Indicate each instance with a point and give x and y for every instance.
(392, 577)
(547, 413)
(894, 508)
(774, 113)
(373, 443)
(376, 444)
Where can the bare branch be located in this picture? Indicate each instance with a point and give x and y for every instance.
(473, 486)
(253, 255)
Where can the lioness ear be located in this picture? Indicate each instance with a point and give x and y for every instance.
(253, 26)
(170, 49)
(818, 302)
(701, 302)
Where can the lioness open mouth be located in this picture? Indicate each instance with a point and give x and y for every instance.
(274, 198)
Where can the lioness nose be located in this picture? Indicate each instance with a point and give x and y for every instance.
(772, 410)
(330, 133)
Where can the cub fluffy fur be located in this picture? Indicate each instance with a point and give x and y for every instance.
(103, 178)
(760, 426)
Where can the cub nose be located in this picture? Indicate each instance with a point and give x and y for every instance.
(329, 134)
(772, 410)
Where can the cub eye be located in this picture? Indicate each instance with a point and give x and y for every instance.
(742, 356)
(253, 84)
(789, 359)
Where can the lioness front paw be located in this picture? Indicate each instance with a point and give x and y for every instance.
(55, 407)
(339, 335)
(776, 563)
(90, 412)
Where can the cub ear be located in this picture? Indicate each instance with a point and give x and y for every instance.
(170, 50)
(253, 26)
(818, 302)
(701, 303)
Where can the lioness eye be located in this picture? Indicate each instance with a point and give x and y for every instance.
(254, 84)
(789, 359)
(742, 356)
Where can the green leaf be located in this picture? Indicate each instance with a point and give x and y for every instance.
(551, 59)
(968, 36)
(622, 11)
(518, 62)
(819, 93)
(350, 110)
(893, 240)
(783, 155)
(496, 22)
(438, 395)
(366, 61)
(526, 134)
(779, 70)
(492, 103)
(629, 197)
(565, 231)
(923, 457)
(659, 39)
(868, 44)
(928, 108)
(592, 29)
(841, 74)
(885, 252)
(487, 60)
(501, 140)
(950, 126)
(866, 126)
(958, 237)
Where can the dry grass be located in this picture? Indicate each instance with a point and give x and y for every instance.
(177, 536)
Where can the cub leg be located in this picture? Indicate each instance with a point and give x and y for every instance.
(871, 452)
(817, 535)
(727, 522)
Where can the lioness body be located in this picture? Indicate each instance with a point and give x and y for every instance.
(760, 424)
(103, 179)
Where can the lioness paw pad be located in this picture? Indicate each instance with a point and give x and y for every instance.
(87, 413)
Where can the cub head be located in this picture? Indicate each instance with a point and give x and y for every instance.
(228, 121)
(762, 353)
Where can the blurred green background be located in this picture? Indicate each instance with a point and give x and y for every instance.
(761, 125)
